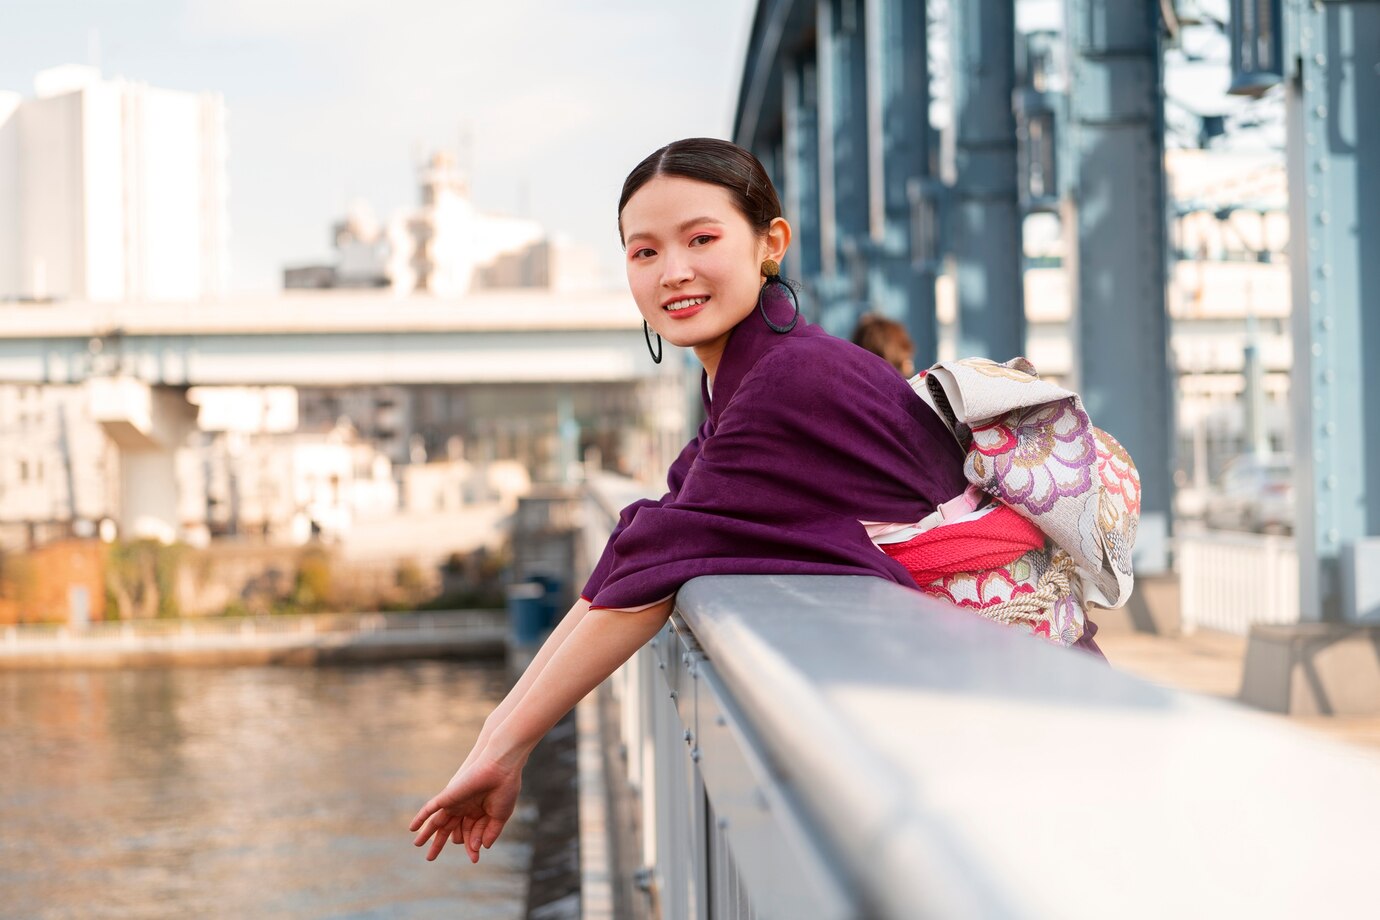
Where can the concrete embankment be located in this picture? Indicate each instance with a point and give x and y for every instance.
(295, 640)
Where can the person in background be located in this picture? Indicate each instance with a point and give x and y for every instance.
(888, 339)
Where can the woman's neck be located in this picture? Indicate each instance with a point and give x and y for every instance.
(710, 353)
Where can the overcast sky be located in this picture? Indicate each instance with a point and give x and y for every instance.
(333, 100)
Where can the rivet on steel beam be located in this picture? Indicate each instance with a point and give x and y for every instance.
(1321, 111)
(720, 720)
(1333, 536)
(673, 694)
(689, 734)
(695, 754)
(1328, 377)
(661, 665)
(1325, 269)
(1316, 350)
(1329, 428)
(1330, 482)
(1320, 59)
(1323, 217)
(1326, 321)
(722, 823)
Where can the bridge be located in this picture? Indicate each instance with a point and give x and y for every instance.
(834, 747)
(819, 747)
(326, 339)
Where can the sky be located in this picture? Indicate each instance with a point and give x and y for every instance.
(547, 104)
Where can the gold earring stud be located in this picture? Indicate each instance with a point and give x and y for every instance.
(770, 268)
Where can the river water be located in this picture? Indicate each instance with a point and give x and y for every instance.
(251, 792)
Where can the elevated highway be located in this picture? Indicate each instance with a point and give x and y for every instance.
(329, 339)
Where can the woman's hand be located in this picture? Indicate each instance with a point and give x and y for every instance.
(481, 797)
(473, 808)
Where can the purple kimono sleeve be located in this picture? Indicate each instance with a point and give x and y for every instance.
(797, 458)
(674, 478)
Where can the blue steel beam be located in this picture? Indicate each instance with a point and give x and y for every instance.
(1117, 225)
(1333, 106)
(986, 220)
(800, 191)
(901, 282)
(843, 161)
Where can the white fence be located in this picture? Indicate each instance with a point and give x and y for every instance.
(1231, 581)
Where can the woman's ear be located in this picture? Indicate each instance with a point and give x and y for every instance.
(778, 239)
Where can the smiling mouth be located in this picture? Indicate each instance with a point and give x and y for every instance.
(685, 304)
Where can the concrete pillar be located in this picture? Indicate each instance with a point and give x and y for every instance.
(147, 424)
(985, 229)
(901, 285)
(1117, 251)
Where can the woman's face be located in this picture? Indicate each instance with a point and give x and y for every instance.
(694, 262)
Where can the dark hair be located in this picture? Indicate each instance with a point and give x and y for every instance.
(886, 338)
(717, 162)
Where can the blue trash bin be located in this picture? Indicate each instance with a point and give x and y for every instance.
(527, 615)
(551, 585)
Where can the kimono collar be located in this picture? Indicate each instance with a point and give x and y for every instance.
(747, 342)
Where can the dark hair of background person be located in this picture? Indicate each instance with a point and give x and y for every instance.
(887, 338)
(717, 162)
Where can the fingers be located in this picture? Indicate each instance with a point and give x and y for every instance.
(438, 843)
(476, 833)
(492, 831)
(441, 819)
(429, 809)
(475, 837)
(441, 837)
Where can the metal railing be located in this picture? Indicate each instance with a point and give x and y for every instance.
(835, 747)
(1231, 581)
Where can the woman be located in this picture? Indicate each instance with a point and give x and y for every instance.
(888, 339)
(808, 441)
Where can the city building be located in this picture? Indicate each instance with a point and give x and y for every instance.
(446, 247)
(111, 191)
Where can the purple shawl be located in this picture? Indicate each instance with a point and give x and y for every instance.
(805, 436)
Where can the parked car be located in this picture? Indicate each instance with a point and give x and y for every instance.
(1256, 493)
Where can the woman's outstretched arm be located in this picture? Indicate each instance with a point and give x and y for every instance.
(529, 674)
(485, 789)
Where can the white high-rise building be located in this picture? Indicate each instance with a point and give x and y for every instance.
(112, 191)
(441, 246)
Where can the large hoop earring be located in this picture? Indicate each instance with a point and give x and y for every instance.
(773, 272)
(647, 335)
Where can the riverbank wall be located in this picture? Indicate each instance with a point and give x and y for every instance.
(270, 640)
